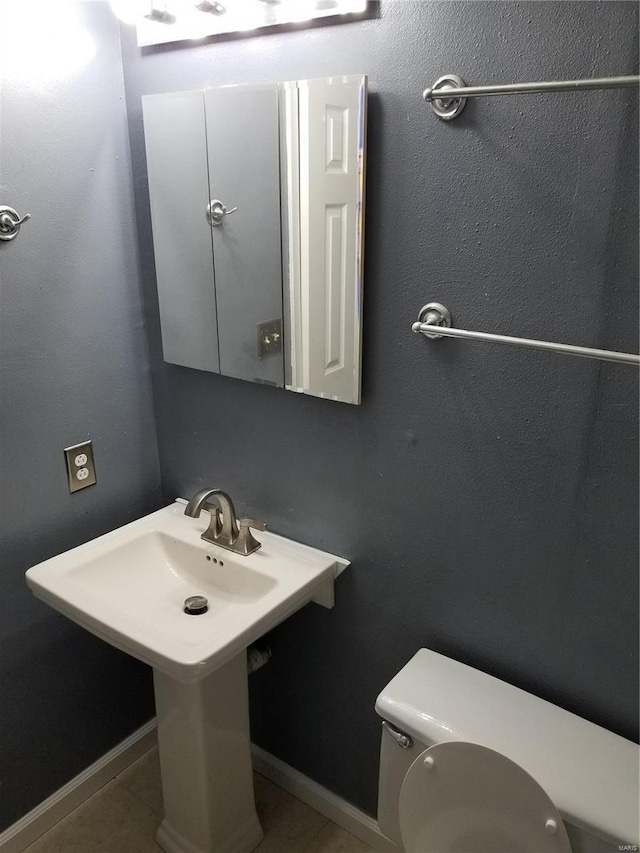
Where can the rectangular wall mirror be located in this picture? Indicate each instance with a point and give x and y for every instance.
(257, 208)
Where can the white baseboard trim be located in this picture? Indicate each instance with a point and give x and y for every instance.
(66, 799)
(338, 810)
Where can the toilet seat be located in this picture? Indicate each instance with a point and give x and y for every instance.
(460, 797)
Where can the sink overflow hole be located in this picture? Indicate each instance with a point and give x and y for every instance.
(195, 605)
(214, 560)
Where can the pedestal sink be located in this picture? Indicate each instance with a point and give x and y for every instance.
(129, 587)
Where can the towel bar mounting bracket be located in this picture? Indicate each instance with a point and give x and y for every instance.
(446, 108)
(435, 314)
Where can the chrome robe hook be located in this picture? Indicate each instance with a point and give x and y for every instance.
(10, 222)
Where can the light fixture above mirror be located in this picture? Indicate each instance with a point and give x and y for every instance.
(163, 21)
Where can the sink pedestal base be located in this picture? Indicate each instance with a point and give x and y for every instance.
(205, 762)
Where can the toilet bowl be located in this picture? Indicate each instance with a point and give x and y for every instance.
(470, 764)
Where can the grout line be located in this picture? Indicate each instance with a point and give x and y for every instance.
(135, 794)
(137, 798)
(317, 834)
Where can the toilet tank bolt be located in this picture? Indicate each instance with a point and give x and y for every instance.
(551, 826)
(429, 762)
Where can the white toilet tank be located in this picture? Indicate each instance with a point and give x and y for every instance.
(589, 773)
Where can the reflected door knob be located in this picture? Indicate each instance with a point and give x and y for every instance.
(216, 212)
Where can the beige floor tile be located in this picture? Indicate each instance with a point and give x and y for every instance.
(333, 839)
(111, 821)
(142, 778)
(289, 825)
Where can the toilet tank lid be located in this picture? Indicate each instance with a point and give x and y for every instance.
(590, 773)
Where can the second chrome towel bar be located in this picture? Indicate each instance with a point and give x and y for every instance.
(434, 321)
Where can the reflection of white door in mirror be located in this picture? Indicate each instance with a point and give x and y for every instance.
(325, 291)
(273, 293)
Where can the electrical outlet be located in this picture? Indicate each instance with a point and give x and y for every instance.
(81, 470)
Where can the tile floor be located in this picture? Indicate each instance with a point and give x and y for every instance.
(123, 817)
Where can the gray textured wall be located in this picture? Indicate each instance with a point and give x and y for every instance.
(73, 365)
(486, 496)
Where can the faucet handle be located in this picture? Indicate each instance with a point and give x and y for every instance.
(246, 543)
(251, 522)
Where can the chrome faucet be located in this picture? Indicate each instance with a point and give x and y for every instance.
(223, 524)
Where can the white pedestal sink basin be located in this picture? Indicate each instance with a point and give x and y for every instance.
(129, 587)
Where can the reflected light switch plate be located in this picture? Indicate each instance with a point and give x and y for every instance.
(269, 338)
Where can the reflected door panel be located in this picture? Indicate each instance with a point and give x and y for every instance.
(179, 193)
(244, 172)
(329, 295)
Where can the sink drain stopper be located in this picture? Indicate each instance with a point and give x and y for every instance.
(195, 605)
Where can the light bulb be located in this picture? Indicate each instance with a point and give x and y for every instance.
(130, 11)
(210, 6)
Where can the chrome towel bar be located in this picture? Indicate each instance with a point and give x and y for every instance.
(434, 321)
(448, 95)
